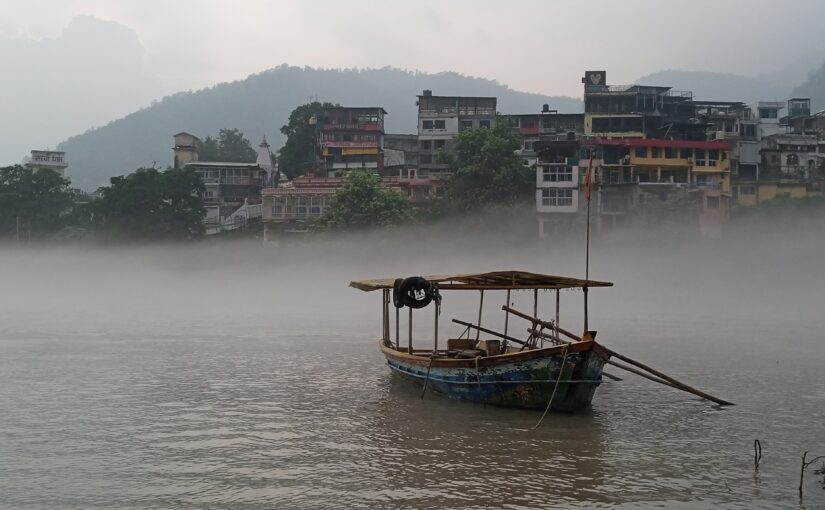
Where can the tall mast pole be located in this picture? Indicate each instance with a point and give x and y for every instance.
(588, 185)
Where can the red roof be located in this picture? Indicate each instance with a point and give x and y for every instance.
(656, 142)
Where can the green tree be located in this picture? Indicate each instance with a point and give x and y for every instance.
(363, 203)
(298, 153)
(33, 201)
(485, 170)
(149, 205)
(230, 146)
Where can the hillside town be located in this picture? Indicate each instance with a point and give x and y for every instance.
(658, 155)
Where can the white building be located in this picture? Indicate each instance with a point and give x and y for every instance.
(49, 160)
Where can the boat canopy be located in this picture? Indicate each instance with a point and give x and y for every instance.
(497, 280)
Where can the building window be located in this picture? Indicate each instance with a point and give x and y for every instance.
(792, 160)
(747, 190)
(556, 197)
(713, 154)
(427, 125)
(701, 180)
(656, 152)
(528, 145)
(439, 144)
(670, 153)
(684, 153)
(426, 159)
(713, 202)
(641, 152)
(466, 124)
(440, 124)
(768, 113)
(557, 173)
(484, 124)
(426, 144)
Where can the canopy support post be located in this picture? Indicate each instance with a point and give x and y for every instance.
(536, 311)
(435, 330)
(409, 337)
(480, 307)
(397, 329)
(558, 302)
(507, 314)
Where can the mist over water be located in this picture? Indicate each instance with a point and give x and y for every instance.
(233, 375)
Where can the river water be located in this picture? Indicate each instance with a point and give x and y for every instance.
(185, 379)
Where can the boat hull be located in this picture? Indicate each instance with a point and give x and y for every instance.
(525, 379)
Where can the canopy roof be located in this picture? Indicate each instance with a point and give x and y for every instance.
(497, 280)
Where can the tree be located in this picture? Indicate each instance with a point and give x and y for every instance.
(230, 146)
(363, 203)
(33, 202)
(298, 153)
(485, 170)
(150, 205)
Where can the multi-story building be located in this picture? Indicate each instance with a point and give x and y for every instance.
(49, 160)
(637, 110)
(441, 118)
(229, 186)
(292, 207)
(350, 138)
(548, 125)
(401, 155)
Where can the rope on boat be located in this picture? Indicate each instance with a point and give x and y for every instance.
(427, 379)
(556, 387)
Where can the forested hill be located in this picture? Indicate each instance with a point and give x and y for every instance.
(261, 104)
(813, 87)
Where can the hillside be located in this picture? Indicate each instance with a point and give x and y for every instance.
(261, 104)
(709, 86)
(813, 87)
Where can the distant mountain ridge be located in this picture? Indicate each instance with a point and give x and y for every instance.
(813, 87)
(710, 86)
(261, 103)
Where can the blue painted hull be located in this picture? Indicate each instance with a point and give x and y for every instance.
(526, 379)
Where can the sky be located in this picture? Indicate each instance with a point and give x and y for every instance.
(538, 46)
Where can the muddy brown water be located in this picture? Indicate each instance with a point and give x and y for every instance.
(123, 392)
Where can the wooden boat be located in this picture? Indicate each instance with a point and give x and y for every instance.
(539, 371)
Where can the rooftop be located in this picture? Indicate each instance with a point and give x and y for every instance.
(497, 280)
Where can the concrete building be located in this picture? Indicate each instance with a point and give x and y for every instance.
(401, 155)
(440, 118)
(49, 160)
(290, 208)
(620, 111)
(185, 148)
(350, 138)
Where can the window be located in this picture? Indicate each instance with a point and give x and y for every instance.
(670, 153)
(440, 124)
(426, 159)
(557, 173)
(701, 180)
(792, 160)
(557, 197)
(528, 145)
(641, 152)
(656, 152)
(439, 144)
(484, 124)
(747, 190)
(427, 125)
(768, 113)
(713, 202)
(684, 153)
(466, 124)
(426, 144)
(713, 154)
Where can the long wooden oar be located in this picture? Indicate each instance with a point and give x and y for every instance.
(663, 378)
(673, 382)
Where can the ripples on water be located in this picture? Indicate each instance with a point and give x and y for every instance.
(119, 402)
(318, 421)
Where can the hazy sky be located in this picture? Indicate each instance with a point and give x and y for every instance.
(76, 64)
(532, 45)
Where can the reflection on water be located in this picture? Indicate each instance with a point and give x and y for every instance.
(207, 379)
(319, 421)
